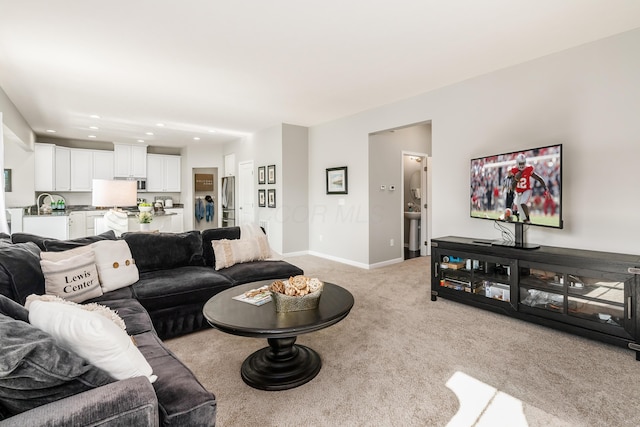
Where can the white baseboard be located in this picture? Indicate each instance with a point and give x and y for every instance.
(341, 260)
(386, 263)
(299, 253)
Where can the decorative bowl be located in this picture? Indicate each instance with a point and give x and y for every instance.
(286, 303)
(145, 208)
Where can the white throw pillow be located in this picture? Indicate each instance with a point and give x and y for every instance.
(230, 252)
(59, 256)
(102, 310)
(116, 266)
(92, 336)
(74, 278)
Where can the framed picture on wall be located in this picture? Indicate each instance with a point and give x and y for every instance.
(271, 174)
(262, 198)
(271, 197)
(262, 175)
(337, 180)
(7, 180)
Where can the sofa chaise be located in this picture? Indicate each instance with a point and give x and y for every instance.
(176, 276)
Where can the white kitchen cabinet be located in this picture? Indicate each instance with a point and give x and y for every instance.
(81, 170)
(44, 162)
(163, 173)
(53, 226)
(62, 169)
(77, 225)
(177, 220)
(230, 165)
(87, 165)
(103, 164)
(130, 161)
(90, 221)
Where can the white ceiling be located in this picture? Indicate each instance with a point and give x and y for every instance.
(246, 65)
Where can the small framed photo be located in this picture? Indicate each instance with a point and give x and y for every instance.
(7, 180)
(262, 175)
(337, 180)
(271, 174)
(271, 197)
(262, 198)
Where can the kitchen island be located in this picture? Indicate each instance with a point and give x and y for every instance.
(80, 221)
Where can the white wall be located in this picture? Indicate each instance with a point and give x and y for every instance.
(21, 162)
(587, 98)
(13, 120)
(295, 189)
(264, 148)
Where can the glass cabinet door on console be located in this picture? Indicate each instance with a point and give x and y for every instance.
(591, 299)
(484, 279)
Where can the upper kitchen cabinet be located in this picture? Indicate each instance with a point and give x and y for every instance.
(103, 164)
(81, 170)
(230, 165)
(70, 169)
(130, 161)
(87, 165)
(163, 173)
(62, 169)
(44, 155)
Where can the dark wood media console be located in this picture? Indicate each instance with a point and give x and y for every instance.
(589, 293)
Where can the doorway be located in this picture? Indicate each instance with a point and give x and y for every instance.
(246, 196)
(414, 203)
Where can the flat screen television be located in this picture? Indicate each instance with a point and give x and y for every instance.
(521, 187)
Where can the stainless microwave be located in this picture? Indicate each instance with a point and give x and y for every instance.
(141, 182)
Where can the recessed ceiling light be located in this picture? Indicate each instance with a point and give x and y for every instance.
(196, 138)
(94, 127)
(149, 133)
(91, 136)
(160, 124)
(94, 116)
(141, 140)
(213, 130)
(50, 131)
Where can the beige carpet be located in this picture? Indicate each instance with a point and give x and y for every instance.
(398, 357)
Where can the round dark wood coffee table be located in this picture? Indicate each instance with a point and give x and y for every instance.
(284, 364)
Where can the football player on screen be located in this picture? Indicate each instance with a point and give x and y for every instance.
(522, 175)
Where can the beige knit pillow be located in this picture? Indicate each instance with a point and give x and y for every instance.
(230, 252)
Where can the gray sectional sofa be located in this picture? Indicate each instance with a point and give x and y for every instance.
(176, 278)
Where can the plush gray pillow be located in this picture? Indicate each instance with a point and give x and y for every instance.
(12, 309)
(28, 237)
(53, 245)
(21, 265)
(161, 251)
(35, 371)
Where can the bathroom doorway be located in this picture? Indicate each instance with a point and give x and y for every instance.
(414, 204)
(387, 207)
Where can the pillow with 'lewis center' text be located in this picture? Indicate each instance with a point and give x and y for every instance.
(74, 278)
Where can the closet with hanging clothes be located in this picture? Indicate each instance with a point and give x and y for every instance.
(227, 195)
(204, 198)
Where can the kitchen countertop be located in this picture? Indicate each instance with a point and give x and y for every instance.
(68, 210)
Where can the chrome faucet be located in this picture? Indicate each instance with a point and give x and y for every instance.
(46, 208)
(42, 208)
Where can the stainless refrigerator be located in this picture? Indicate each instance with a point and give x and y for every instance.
(228, 201)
